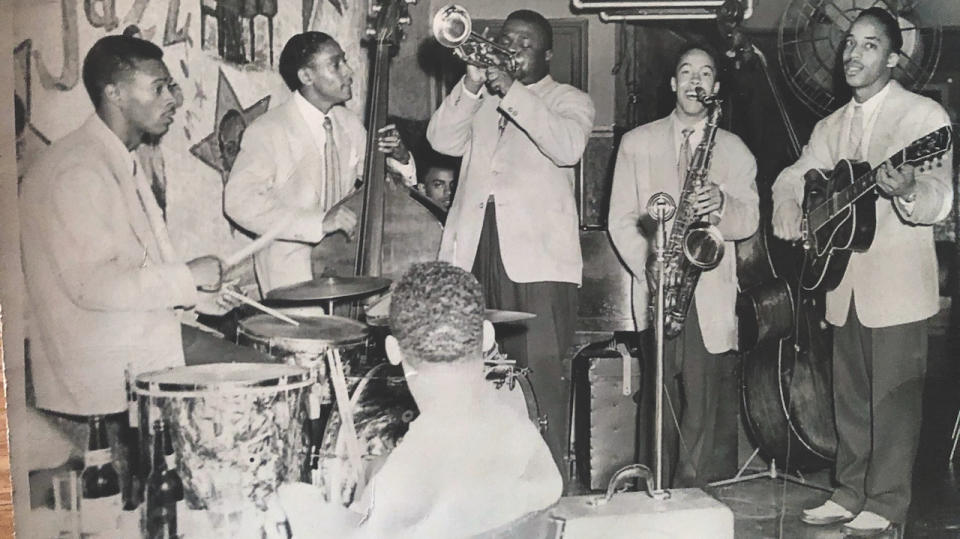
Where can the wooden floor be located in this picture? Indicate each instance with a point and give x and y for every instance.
(6, 489)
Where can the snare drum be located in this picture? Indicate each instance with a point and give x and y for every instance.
(307, 344)
(237, 429)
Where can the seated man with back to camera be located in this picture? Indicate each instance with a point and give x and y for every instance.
(451, 475)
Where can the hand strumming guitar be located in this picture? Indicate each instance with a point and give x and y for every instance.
(786, 221)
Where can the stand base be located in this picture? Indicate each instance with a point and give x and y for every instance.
(771, 473)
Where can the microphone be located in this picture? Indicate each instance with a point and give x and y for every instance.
(661, 207)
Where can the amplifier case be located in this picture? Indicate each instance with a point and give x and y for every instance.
(605, 419)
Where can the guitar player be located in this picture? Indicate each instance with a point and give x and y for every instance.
(880, 307)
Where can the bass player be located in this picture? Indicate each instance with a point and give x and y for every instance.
(699, 373)
(880, 307)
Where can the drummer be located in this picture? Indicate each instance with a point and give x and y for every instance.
(451, 475)
(105, 288)
(303, 157)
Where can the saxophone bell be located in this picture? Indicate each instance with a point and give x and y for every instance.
(703, 245)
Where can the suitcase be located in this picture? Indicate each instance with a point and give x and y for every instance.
(685, 513)
(606, 380)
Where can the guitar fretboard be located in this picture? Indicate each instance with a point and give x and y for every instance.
(926, 148)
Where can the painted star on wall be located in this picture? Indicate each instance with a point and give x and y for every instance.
(229, 122)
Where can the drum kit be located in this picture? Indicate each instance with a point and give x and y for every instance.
(327, 412)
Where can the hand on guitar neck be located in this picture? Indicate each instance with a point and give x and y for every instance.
(838, 215)
(897, 182)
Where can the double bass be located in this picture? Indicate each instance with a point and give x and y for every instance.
(395, 227)
(787, 347)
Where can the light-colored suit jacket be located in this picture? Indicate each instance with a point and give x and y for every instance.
(647, 164)
(280, 171)
(103, 282)
(528, 169)
(895, 281)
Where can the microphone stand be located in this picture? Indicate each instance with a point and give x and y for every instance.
(661, 207)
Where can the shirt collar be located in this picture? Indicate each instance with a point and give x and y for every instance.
(311, 114)
(870, 105)
(115, 147)
(679, 126)
(541, 85)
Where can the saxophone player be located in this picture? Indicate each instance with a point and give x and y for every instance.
(699, 432)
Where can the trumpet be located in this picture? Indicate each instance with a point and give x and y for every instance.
(452, 28)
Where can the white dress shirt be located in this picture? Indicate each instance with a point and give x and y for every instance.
(315, 118)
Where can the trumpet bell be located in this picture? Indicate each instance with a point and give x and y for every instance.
(452, 26)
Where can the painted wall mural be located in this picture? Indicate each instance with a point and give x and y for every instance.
(219, 149)
(222, 55)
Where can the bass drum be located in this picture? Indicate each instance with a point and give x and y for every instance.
(383, 409)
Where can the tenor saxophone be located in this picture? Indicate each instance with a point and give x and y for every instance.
(694, 244)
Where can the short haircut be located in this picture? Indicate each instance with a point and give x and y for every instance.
(537, 21)
(697, 46)
(297, 54)
(436, 313)
(888, 23)
(441, 161)
(111, 58)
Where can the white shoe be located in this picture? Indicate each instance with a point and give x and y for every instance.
(867, 524)
(828, 513)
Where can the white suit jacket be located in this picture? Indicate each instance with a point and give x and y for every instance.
(895, 281)
(647, 164)
(279, 171)
(103, 282)
(529, 170)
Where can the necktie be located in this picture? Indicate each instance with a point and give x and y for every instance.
(331, 180)
(684, 160)
(856, 134)
(502, 123)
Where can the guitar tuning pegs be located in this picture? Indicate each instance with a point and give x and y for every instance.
(375, 8)
(404, 20)
(371, 32)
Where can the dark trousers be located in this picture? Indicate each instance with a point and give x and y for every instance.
(878, 376)
(541, 343)
(700, 405)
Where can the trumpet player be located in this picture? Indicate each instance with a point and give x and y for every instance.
(699, 431)
(513, 220)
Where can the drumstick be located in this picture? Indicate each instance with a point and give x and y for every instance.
(260, 243)
(346, 410)
(272, 312)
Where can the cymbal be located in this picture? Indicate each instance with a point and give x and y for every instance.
(325, 288)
